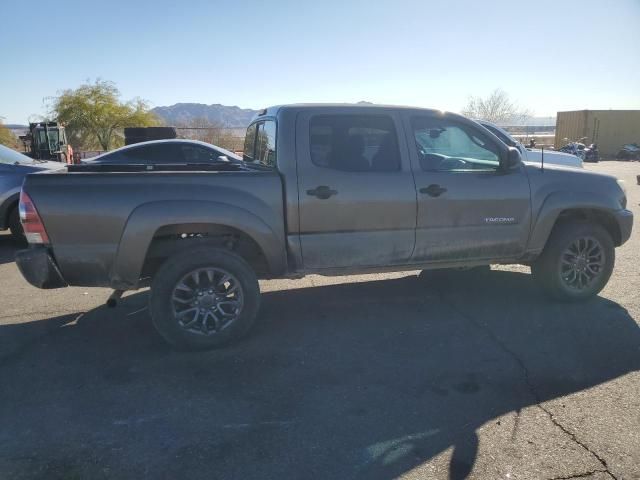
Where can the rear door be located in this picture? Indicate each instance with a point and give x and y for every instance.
(469, 208)
(357, 198)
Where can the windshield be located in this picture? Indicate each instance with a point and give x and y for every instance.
(42, 134)
(9, 156)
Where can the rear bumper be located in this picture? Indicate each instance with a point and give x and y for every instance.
(39, 269)
(625, 223)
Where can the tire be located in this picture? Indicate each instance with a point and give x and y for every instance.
(174, 291)
(16, 227)
(559, 280)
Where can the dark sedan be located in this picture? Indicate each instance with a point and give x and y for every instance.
(165, 151)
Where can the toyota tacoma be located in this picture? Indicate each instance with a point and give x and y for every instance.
(321, 189)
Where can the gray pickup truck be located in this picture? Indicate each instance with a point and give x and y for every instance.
(324, 189)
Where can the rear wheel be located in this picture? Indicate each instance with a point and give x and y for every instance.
(15, 226)
(204, 298)
(576, 263)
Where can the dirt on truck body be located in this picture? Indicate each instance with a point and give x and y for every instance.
(326, 189)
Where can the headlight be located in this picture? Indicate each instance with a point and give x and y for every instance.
(623, 199)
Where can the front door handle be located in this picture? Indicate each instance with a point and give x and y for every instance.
(433, 190)
(322, 192)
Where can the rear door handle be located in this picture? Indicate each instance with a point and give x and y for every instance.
(322, 192)
(433, 190)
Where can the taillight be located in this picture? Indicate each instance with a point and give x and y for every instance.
(31, 223)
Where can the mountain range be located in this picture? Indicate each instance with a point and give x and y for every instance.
(182, 114)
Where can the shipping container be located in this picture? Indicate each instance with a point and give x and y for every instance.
(609, 129)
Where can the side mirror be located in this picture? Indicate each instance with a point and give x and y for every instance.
(513, 158)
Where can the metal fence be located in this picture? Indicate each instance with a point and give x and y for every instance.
(229, 138)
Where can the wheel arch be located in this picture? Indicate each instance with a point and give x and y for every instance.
(155, 231)
(574, 206)
(7, 207)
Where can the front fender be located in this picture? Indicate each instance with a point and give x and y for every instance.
(557, 202)
(146, 219)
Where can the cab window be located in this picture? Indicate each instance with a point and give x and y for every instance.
(446, 145)
(260, 143)
(249, 143)
(354, 143)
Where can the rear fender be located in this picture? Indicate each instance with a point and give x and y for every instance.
(145, 221)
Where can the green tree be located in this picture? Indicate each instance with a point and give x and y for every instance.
(7, 137)
(94, 115)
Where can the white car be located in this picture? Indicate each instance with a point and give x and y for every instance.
(533, 155)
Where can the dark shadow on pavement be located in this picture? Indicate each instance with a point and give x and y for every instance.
(8, 248)
(363, 380)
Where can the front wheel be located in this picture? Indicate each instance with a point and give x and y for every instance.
(576, 263)
(204, 298)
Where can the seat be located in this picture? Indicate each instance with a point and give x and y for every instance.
(387, 157)
(349, 155)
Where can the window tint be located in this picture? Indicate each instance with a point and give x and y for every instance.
(165, 152)
(249, 143)
(354, 143)
(445, 145)
(506, 140)
(265, 151)
(156, 153)
(198, 154)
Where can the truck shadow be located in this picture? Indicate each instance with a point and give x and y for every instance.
(8, 248)
(361, 380)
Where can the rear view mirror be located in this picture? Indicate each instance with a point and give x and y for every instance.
(223, 158)
(513, 158)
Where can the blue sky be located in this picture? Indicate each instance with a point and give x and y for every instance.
(548, 55)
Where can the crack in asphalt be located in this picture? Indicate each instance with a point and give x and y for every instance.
(530, 385)
(580, 475)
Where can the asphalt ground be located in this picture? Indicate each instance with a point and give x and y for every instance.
(466, 375)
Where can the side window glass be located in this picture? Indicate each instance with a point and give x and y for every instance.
(249, 143)
(198, 154)
(131, 155)
(445, 145)
(143, 154)
(265, 151)
(354, 143)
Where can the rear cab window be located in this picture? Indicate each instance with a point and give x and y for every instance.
(354, 143)
(260, 143)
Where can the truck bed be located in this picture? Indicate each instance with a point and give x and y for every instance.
(87, 213)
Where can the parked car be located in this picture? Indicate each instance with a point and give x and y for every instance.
(530, 154)
(14, 166)
(165, 151)
(629, 151)
(331, 190)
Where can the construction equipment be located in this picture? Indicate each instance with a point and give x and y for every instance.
(47, 141)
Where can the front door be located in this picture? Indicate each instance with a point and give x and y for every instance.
(357, 198)
(469, 208)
